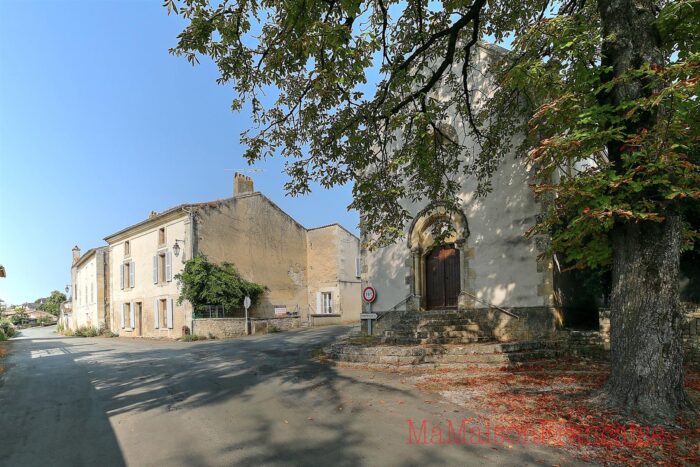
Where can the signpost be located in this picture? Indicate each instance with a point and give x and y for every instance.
(369, 295)
(246, 305)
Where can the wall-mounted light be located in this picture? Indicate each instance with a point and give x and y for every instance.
(176, 247)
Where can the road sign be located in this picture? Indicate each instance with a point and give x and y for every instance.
(368, 316)
(369, 294)
(246, 302)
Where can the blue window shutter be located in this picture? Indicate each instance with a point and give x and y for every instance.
(155, 269)
(169, 303)
(156, 313)
(168, 266)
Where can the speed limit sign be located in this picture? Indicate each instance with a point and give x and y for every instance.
(369, 295)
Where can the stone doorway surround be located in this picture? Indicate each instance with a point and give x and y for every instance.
(420, 242)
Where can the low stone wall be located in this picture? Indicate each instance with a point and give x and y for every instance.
(532, 323)
(324, 319)
(224, 328)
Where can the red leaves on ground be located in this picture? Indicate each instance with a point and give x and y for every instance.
(551, 403)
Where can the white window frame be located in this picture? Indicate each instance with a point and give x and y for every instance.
(327, 303)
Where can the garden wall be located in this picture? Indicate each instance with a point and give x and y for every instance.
(224, 328)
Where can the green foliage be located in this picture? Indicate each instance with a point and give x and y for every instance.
(7, 327)
(3, 336)
(53, 303)
(86, 331)
(192, 338)
(348, 79)
(204, 283)
(20, 316)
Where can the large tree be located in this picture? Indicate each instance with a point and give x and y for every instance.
(52, 304)
(605, 92)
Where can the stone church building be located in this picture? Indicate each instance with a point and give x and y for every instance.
(487, 267)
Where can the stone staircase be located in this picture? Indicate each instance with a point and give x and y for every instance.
(434, 327)
(472, 355)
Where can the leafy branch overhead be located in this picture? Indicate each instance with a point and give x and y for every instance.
(204, 283)
(390, 95)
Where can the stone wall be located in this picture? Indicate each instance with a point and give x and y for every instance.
(596, 344)
(324, 319)
(532, 323)
(224, 328)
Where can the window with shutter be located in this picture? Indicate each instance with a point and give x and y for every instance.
(132, 315)
(155, 269)
(121, 276)
(170, 313)
(156, 313)
(121, 317)
(132, 274)
(168, 266)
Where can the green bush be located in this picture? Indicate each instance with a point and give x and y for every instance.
(7, 328)
(273, 329)
(86, 331)
(192, 337)
(3, 337)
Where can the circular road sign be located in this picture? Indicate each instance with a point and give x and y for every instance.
(369, 294)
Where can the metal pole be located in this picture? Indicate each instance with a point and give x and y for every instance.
(369, 322)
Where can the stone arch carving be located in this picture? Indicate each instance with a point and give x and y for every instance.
(419, 230)
(420, 241)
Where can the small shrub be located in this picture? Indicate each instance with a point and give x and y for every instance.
(86, 331)
(3, 337)
(104, 332)
(192, 337)
(211, 336)
(7, 328)
(273, 329)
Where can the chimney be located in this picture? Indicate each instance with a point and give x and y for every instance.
(76, 253)
(242, 184)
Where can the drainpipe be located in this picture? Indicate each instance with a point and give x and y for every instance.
(190, 217)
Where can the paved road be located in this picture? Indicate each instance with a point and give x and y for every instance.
(252, 401)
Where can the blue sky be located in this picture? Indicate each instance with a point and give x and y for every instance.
(99, 125)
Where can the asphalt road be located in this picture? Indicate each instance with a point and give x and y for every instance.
(259, 400)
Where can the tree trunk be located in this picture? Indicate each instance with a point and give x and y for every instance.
(645, 319)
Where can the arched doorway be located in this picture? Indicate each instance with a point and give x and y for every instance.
(438, 264)
(442, 277)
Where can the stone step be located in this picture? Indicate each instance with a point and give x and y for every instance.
(477, 354)
(450, 327)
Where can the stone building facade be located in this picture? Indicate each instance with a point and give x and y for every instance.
(90, 304)
(265, 244)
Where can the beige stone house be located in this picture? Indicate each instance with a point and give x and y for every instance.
(302, 269)
(90, 290)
